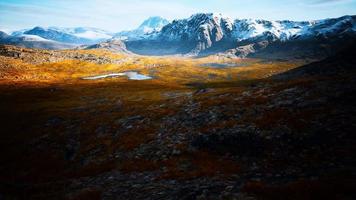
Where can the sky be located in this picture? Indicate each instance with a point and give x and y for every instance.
(118, 15)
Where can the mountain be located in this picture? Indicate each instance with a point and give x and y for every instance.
(58, 36)
(78, 35)
(207, 33)
(32, 41)
(343, 62)
(113, 45)
(204, 34)
(3, 35)
(93, 34)
(150, 26)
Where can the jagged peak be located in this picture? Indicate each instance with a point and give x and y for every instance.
(153, 22)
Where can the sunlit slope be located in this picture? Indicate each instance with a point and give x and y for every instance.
(72, 66)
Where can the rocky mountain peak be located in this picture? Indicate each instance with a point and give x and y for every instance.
(153, 24)
(204, 29)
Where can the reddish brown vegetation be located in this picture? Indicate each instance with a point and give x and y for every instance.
(199, 164)
(304, 189)
(133, 139)
(87, 194)
(138, 165)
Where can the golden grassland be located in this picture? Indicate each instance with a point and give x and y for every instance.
(173, 70)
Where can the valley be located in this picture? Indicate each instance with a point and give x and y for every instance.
(257, 129)
(202, 107)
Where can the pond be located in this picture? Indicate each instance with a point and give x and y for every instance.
(132, 75)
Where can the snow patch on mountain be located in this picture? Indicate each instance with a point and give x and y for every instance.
(86, 32)
(147, 29)
(283, 30)
(77, 35)
(153, 24)
(33, 38)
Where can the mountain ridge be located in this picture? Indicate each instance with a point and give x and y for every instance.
(32, 41)
(207, 33)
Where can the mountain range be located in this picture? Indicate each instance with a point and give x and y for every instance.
(32, 41)
(203, 34)
(77, 36)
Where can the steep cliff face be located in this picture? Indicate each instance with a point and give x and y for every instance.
(204, 30)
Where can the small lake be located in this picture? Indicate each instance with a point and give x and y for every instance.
(132, 75)
(223, 65)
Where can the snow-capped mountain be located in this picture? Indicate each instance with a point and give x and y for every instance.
(148, 28)
(207, 33)
(86, 32)
(78, 35)
(152, 24)
(214, 33)
(204, 29)
(217, 27)
(32, 41)
(55, 35)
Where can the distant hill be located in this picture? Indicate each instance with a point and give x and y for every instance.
(113, 45)
(78, 35)
(32, 41)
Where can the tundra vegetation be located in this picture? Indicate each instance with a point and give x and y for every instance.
(192, 131)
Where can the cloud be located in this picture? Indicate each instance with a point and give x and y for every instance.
(116, 15)
(329, 1)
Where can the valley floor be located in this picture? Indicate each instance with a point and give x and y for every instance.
(205, 128)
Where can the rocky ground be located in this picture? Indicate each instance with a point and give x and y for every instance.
(290, 136)
(37, 56)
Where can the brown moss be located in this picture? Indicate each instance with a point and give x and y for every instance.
(87, 194)
(138, 165)
(92, 169)
(199, 164)
(303, 189)
(272, 118)
(135, 138)
(219, 125)
(297, 120)
(256, 100)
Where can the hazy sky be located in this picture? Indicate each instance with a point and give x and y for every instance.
(116, 15)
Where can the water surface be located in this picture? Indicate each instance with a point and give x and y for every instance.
(132, 75)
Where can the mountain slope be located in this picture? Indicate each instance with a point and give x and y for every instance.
(343, 62)
(58, 36)
(93, 34)
(77, 35)
(32, 41)
(113, 45)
